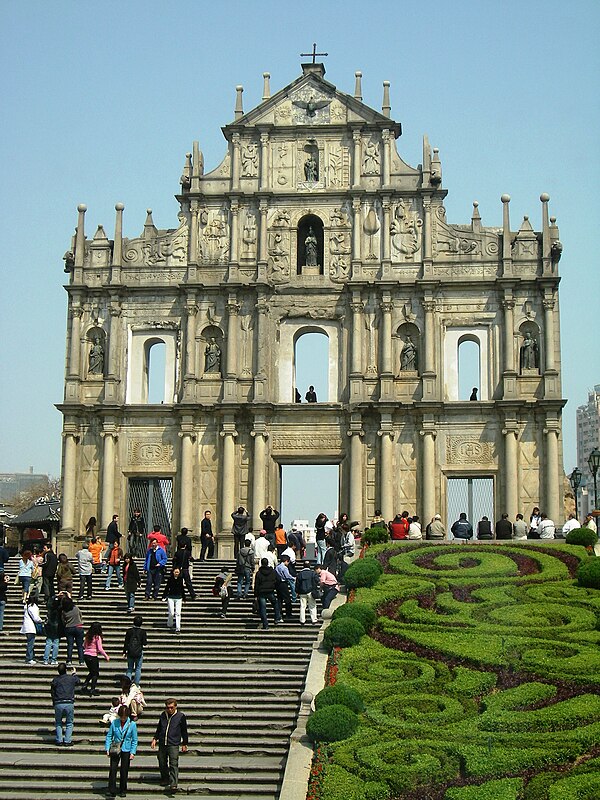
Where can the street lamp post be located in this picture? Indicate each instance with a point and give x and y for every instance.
(594, 465)
(575, 481)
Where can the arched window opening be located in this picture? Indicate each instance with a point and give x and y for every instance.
(156, 370)
(310, 245)
(311, 367)
(469, 369)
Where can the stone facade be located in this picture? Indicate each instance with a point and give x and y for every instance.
(312, 222)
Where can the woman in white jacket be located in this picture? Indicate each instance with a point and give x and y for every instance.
(414, 529)
(31, 616)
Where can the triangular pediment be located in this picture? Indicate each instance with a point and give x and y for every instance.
(311, 101)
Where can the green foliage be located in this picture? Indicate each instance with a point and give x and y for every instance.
(376, 535)
(342, 695)
(588, 573)
(582, 536)
(471, 683)
(507, 789)
(363, 572)
(360, 611)
(331, 724)
(343, 632)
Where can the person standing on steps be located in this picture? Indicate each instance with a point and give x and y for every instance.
(121, 746)
(85, 566)
(244, 569)
(171, 732)
(131, 581)
(113, 535)
(183, 559)
(307, 588)
(207, 540)
(62, 691)
(114, 565)
(174, 594)
(49, 566)
(92, 650)
(32, 623)
(269, 517)
(156, 561)
(239, 528)
(136, 539)
(136, 639)
(265, 584)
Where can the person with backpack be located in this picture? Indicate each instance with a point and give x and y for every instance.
(244, 569)
(136, 639)
(221, 589)
(265, 584)
(308, 590)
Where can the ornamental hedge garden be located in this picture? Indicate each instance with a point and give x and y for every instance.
(479, 678)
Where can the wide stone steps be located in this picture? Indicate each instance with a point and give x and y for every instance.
(238, 685)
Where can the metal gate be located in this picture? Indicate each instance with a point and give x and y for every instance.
(154, 498)
(474, 496)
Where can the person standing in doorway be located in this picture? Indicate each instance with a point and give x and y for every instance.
(136, 543)
(311, 395)
(171, 732)
(207, 540)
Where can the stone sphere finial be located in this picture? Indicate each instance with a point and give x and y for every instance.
(475, 204)
(505, 198)
(525, 217)
(544, 197)
(386, 83)
(148, 211)
(306, 698)
(358, 74)
(552, 220)
(82, 207)
(119, 206)
(266, 74)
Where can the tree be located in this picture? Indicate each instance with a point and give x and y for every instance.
(49, 489)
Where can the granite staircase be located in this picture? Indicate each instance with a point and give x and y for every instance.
(238, 685)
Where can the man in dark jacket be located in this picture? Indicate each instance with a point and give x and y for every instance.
(207, 540)
(265, 584)
(183, 559)
(171, 731)
(240, 528)
(49, 566)
(269, 519)
(307, 586)
(504, 528)
(462, 528)
(113, 535)
(62, 690)
(136, 639)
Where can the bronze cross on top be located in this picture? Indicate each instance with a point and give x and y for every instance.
(314, 53)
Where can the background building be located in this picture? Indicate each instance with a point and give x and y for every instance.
(588, 437)
(312, 224)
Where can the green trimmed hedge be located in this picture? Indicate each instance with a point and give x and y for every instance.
(359, 611)
(506, 789)
(582, 536)
(376, 535)
(588, 574)
(331, 724)
(363, 572)
(343, 632)
(340, 695)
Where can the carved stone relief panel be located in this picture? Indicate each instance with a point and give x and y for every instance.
(282, 164)
(303, 443)
(278, 264)
(310, 106)
(149, 453)
(371, 157)
(338, 166)
(406, 483)
(449, 240)
(208, 469)
(406, 232)
(214, 241)
(529, 466)
(249, 159)
(469, 450)
(249, 236)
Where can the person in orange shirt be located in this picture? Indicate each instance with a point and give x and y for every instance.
(96, 548)
(280, 539)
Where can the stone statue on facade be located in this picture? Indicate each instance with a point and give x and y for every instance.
(529, 354)
(96, 359)
(408, 356)
(311, 168)
(310, 249)
(69, 259)
(212, 356)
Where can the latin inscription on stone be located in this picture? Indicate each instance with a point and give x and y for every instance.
(143, 453)
(460, 450)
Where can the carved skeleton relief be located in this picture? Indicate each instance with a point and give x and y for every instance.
(406, 230)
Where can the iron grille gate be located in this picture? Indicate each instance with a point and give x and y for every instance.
(154, 498)
(474, 496)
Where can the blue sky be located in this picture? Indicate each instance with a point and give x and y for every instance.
(101, 101)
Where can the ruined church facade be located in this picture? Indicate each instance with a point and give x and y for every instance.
(312, 223)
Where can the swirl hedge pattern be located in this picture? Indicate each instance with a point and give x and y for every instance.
(480, 678)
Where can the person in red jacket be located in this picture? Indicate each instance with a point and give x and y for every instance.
(399, 526)
(156, 533)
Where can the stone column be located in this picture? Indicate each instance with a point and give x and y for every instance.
(191, 311)
(235, 162)
(186, 488)
(386, 473)
(427, 229)
(356, 230)
(233, 248)
(262, 239)
(75, 343)
(385, 233)
(552, 473)
(429, 308)
(80, 237)
(110, 435)
(113, 338)
(386, 157)
(356, 158)
(193, 253)
(228, 487)
(260, 436)
(428, 475)
(357, 307)
(264, 161)
(117, 255)
(356, 475)
(386, 337)
(549, 364)
(69, 479)
(509, 356)
(232, 336)
(511, 466)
